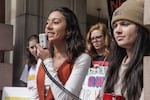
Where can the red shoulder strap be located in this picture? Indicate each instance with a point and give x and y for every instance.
(40, 85)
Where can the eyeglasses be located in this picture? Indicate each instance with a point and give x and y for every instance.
(97, 38)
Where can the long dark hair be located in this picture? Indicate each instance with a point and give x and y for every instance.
(31, 60)
(75, 43)
(133, 78)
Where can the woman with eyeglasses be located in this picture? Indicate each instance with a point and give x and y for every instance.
(98, 43)
(97, 46)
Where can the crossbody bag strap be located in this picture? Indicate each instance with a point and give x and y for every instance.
(59, 85)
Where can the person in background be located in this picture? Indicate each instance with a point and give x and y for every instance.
(31, 54)
(97, 46)
(65, 58)
(131, 43)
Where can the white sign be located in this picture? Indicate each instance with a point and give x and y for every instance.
(15, 93)
(93, 83)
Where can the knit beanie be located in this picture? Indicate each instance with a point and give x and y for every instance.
(132, 10)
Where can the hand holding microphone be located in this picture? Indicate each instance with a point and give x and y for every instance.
(42, 47)
(43, 39)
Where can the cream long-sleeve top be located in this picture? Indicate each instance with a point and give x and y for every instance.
(75, 81)
(118, 86)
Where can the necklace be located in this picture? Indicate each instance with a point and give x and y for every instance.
(126, 60)
(104, 61)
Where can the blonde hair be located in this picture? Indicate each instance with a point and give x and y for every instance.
(89, 47)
